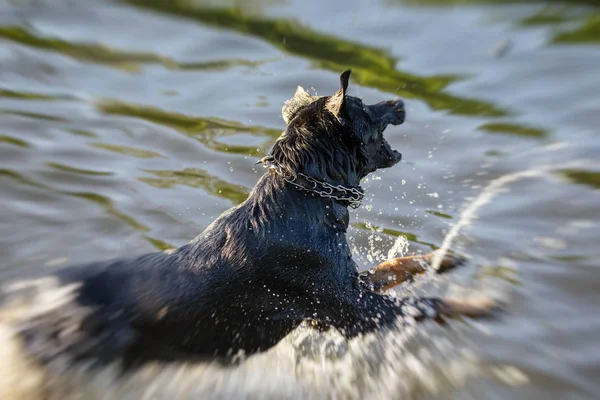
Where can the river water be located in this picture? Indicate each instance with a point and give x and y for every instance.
(128, 126)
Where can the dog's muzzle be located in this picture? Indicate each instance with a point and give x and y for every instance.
(387, 157)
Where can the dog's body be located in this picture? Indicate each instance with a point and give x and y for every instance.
(256, 272)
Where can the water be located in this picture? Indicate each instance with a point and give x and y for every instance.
(129, 126)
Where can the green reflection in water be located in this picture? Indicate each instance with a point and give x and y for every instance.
(108, 206)
(583, 177)
(160, 245)
(392, 232)
(129, 151)
(67, 168)
(496, 153)
(80, 132)
(11, 94)
(220, 65)
(439, 214)
(14, 141)
(101, 54)
(513, 129)
(553, 12)
(547, 16)
(103, 201)
(371, 66)
(588, 32)
(196, 178)
(33, 115)
(19, 178)
(570, 258)
(204, 129)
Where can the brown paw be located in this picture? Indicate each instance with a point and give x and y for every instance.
(474, 308)
(449, 261)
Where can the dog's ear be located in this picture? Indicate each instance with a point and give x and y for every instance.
(336, 104)
(301, 98)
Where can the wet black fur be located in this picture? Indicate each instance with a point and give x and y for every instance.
(253, 275)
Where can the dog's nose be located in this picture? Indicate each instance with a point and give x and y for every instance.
(398, 103)
(397, 108)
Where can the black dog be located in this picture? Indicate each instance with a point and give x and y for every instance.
(261, 268)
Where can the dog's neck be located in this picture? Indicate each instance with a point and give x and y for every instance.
(343, 193)
(274, 200)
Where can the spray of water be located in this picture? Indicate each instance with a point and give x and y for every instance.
(470, 212)
(490, 191)
(399, 248)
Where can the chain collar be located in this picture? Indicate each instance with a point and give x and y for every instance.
(352, 195)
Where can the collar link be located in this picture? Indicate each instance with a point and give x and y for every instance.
(349, 196)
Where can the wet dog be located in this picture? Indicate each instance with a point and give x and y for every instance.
(257, 272)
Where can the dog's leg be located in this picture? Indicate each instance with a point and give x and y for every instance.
(398, 270)
(422, 308)
(374, 311)
(476, 308)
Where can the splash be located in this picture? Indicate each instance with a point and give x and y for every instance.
(399, 248)
(493, 188)
(470, 212)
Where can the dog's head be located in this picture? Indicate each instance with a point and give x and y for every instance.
(337, 138)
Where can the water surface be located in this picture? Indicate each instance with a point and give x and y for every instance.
(129, 126)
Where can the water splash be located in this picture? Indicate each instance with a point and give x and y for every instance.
(493, 188)
(399, 248)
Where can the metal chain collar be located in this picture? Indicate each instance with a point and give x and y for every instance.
(352, 195)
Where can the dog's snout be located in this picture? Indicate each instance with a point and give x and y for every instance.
(397, 106)
(390, 111)
(397, 103)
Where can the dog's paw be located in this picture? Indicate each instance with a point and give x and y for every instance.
(482, 307)
(448, 262)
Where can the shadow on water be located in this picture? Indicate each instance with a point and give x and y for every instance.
(204, 129)
(100, 54)
(371, 66)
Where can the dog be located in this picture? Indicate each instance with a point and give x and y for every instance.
(257, 272)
